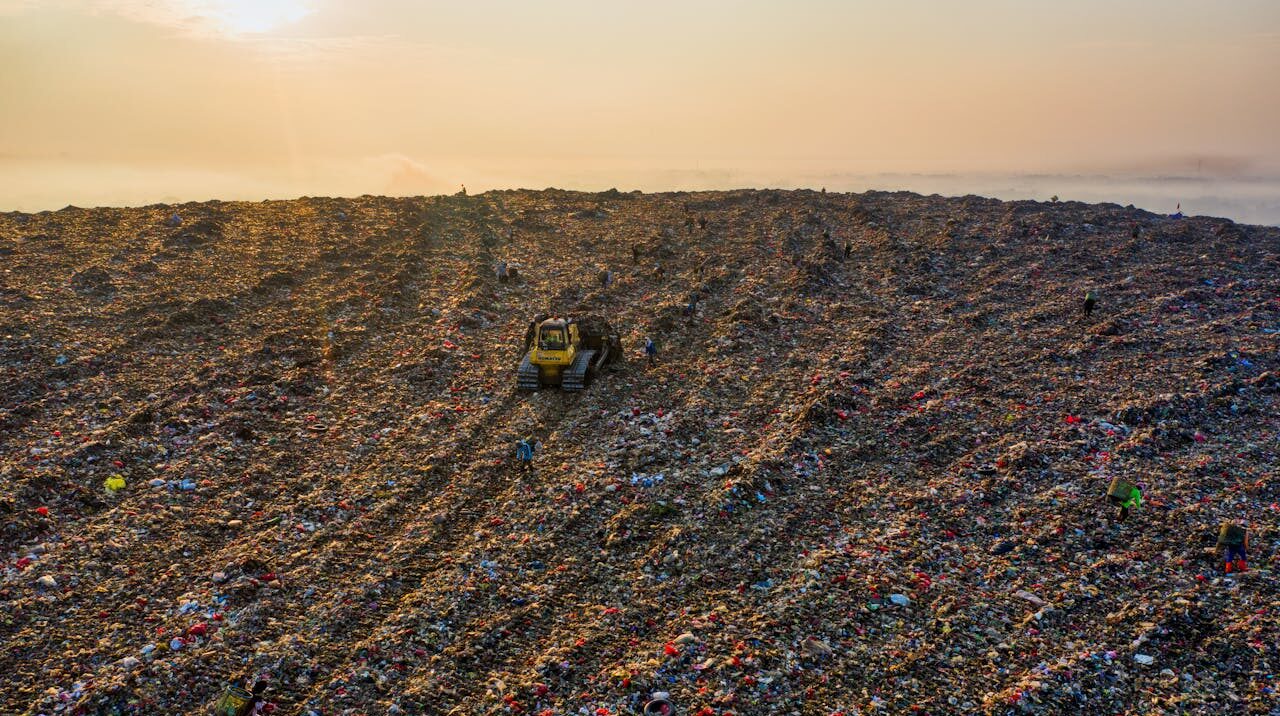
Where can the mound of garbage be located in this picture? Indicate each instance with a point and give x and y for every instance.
(865, 471)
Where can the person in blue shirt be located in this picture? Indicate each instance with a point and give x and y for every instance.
(650, 350)
(524, 455)
(691, 309)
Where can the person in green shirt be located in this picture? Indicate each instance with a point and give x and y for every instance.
(1090, 300)
(1124, 495)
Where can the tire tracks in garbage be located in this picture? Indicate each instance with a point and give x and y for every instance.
(484, 488)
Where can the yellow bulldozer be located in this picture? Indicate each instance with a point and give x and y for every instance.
(566, 352)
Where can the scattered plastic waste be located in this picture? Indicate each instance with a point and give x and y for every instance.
(862, 479)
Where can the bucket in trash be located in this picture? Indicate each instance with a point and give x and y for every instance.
(235, 701)
(661, 707)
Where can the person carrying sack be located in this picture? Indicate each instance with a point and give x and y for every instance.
(1124, 495)
(1090, 301)
(1233, 540)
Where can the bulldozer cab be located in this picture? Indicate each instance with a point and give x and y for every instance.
(553, 335)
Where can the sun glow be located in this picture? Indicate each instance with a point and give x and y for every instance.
(247, 17)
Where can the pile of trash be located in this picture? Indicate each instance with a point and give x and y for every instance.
(865, 470)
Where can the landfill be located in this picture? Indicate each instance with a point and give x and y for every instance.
(865, 471)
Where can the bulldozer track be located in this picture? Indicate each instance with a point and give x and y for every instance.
(528, 377)
(575, 376)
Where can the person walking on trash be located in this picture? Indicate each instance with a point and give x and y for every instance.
(1090, 300)
(524, 454)
(650, 350)
(1124, 495)
(1233, 540)
(691, 308)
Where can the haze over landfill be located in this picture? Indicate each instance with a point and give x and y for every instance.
(1150, 103)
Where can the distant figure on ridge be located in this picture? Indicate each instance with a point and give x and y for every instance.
(650, 350)
(605, 277)
(503, 274)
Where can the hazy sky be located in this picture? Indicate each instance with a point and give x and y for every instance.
(138, 101)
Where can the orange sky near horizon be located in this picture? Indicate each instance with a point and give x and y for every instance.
(140, 101)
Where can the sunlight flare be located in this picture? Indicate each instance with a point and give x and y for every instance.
(242, 17)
